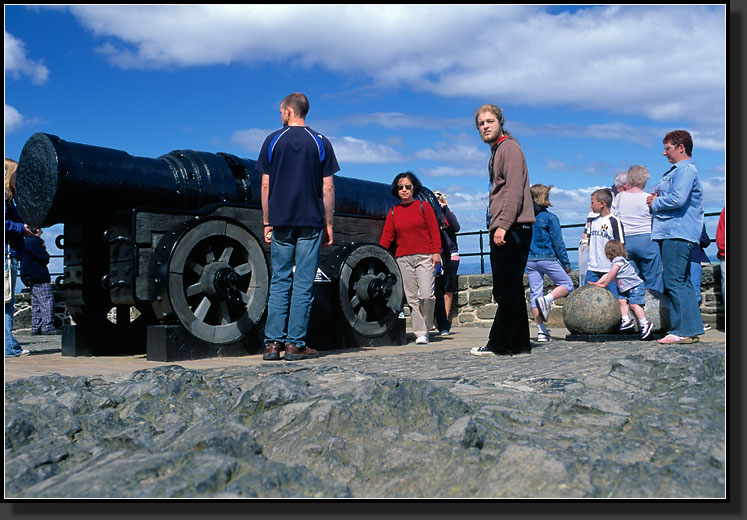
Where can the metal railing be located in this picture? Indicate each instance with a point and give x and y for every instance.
(482, 253)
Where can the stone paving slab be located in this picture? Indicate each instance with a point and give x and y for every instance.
(444, 358)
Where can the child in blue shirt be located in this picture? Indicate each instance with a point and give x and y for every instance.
(629, 286)
(547, 256)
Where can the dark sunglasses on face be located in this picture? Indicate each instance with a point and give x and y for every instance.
(405, 187)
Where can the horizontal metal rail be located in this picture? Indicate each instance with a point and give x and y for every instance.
(482, 253)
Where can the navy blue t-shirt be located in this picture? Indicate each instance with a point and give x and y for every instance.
(296, 158)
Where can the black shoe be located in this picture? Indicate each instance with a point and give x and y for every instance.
(50, 332)
(486, 351)
(481, 351)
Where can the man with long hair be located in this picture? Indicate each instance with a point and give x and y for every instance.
(510, 220)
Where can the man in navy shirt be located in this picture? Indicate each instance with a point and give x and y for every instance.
(298, 198)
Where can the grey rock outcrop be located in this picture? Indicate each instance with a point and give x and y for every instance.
(650, 425)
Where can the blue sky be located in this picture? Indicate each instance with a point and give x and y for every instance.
(587, 90)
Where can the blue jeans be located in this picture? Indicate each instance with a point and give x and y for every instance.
(291, 293)
(12, 347)
(723, 281)
(684, 313)
(645, 256)
(696, 276)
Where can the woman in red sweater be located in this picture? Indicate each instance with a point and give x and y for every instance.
(413, 226)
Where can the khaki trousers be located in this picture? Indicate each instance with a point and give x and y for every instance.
(418, 279)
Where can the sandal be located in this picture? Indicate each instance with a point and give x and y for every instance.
(672, 339)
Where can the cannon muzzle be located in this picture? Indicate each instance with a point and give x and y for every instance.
(60, 181)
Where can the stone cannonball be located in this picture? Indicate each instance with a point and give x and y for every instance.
(591, 310)
(656, 311)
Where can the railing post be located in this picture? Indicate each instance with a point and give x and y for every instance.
(482, 255)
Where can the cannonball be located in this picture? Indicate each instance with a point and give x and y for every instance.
(656, 311)
(591, 310)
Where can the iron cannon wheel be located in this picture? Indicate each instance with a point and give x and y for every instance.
(218, 280)
(370, 290)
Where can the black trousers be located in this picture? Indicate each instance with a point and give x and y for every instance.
(510, 330)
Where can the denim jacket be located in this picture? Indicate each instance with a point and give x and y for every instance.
(547, 238)
(678, 207)
(14, 229)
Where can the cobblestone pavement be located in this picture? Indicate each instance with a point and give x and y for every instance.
(443, 359)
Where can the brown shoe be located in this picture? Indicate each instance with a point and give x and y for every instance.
(272, 351)
(293, 353)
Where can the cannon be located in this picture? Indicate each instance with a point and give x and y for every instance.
(163, 255)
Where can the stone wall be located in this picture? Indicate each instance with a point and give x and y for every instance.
(475, 306)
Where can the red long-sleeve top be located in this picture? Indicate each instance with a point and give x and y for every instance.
(415, 229)
(721, 234)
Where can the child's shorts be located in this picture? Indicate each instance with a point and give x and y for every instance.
(636, 295)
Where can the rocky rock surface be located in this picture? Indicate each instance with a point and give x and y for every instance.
(651, 424)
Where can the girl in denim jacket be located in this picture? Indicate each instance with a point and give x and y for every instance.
(547, 256)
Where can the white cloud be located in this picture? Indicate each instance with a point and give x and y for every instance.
(660, 61)
(347, 149)
(13, 119)
(17, 64)
(455, 152)
(353, 150)
(251, 139)
(455, 173)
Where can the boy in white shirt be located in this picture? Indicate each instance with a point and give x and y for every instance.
(604, 228)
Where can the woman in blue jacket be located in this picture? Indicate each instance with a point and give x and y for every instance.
(15, 231)
(547, 256)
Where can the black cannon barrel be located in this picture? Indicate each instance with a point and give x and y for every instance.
(60, 181)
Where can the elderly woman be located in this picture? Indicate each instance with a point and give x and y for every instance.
(631, 208)
(412, 224)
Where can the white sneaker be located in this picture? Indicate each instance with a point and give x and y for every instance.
(627, 325)
(543, 337)
(706, 326)
(543, 307)
(421, 340)
(646, 330)
(481, 351)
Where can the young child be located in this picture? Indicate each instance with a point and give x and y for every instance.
(547, 256)
(630, 287)
(603, 228)
(35, 275)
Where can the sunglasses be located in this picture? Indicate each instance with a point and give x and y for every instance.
(404, 187)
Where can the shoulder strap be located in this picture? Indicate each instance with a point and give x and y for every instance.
(492, 158)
